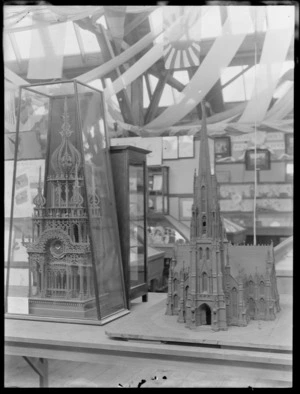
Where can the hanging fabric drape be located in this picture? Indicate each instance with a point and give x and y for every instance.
(268, 73)
(115, 18)
(51, 15)
(10, 109)
(14, 78)
(145, 62)
(179, 49)
(219, 56)
(110, 65)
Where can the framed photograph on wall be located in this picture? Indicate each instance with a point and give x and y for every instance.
(185, 208)
(262, 159)
(289, 143)
(186, 146)
(222, 147)
(170, 148)
(289, 170)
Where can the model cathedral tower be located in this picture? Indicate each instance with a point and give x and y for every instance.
(210, 281)
(59, 251)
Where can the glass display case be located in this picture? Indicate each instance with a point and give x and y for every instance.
(129, 175)
(63, 256)
(158, 188)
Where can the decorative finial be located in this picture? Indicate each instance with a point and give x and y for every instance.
(65, 156)
(94, 198)
(39, 200)
(77, 198)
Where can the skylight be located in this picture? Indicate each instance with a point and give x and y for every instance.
(71, 43)
(146, 100)
(167, 97)
(237, 25)
(211, 22)
(153, 82)
(9, 54)
(282, 89)
(182, 76)
(90, 42)
(102, 21)
(280, 17)
(97, 83)
(287, 65)
(235, 91)
(23, 39)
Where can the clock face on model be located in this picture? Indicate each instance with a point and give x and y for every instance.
(56, 248)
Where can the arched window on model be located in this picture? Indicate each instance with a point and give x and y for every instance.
(261, 288)
(251, 287)
(204, 282)
(234, 303)
(175, 301)
(262, 306)
(200, 253)
(207, 253)
(203, 224)
(76, 233)
(186, 292)
(175, 282)
(203, 199)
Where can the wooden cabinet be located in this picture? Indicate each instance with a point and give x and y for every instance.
(158, 187)
(129, 177)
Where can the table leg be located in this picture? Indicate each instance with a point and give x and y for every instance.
(40, 366)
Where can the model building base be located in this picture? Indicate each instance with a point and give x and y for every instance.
(147, 321)
(63, 308)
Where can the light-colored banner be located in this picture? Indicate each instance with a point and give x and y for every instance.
(283, 106)
(219, 56)
(268, 74)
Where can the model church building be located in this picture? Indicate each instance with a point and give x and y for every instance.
(212, 282)
(59, 251)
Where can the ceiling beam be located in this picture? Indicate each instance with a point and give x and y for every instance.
(122, 96)
(108, 54)
(152, 109)
(135, 23)
(236, 76)
(173, 82)
(16, 50)
(80, 42)
(146, 75)
(244, 56)
(137, 94)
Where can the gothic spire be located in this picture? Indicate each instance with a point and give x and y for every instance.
(203, 191)
(204, 160)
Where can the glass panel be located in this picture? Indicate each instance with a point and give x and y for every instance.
(136, 218)
(21, 281)
(101, 204)
(51, 267)
(8, 51)
(10, 102)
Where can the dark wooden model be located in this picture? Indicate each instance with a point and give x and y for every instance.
(131, 201)
(210, 281)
